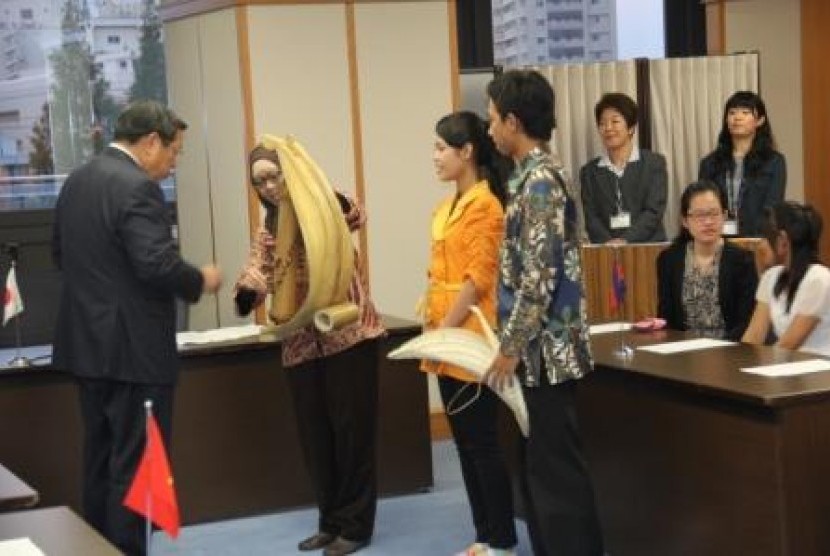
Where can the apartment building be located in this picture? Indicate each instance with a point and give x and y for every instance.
(530, 32)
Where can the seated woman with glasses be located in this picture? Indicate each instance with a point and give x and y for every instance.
(624, 190)
(793, 296)
(705, 284)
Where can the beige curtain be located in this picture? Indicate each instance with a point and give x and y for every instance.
(687, 98)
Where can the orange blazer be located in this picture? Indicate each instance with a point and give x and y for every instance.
(465, 246)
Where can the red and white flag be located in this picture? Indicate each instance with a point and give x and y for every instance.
(12, 302)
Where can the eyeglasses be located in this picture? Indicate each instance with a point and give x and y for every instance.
(701, 215)
(273, 177)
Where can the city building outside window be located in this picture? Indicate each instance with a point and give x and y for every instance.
(69, 67)
(569, 31)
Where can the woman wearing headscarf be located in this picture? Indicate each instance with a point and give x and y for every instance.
(333, 377)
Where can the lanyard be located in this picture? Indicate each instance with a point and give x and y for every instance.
(733, 193)
(619, 194)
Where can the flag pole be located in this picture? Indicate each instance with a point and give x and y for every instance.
(18, 361)
(148, 504)
(624, 351)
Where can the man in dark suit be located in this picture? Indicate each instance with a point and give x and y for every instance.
(116, 323)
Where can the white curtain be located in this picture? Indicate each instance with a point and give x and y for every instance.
(578, 87)
(687, 99)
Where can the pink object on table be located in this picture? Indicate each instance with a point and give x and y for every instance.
(649, 324)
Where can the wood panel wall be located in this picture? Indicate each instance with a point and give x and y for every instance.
(815, 47)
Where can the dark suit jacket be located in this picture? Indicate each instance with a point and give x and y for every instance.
(643, 187)
(737, 282)
(757, 192)
(121, 273)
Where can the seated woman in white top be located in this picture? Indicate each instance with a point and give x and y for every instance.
(794, 296)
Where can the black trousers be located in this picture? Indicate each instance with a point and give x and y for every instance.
(114, 438)
(482, 465)
(561, 511)
(336, 403)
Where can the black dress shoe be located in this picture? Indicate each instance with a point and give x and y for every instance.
(316, 541)
(341, 547)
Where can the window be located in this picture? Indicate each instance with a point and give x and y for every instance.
(50, 121)
(10, 117)
(622, 29)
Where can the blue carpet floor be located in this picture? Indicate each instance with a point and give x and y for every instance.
(437, 523)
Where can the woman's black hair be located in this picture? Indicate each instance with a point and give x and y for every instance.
(763, 144)
(693, 190)
(620, 102)
(803, 225)
(459, 128)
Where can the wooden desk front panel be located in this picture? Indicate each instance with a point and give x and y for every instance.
(235, 448)
(638, 262)
(679, 474)
(235, 435)
(691, 456)
(804, 439)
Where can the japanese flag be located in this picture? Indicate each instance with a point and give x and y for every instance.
(12, 302)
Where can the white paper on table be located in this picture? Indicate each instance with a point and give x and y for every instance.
(790, 369)
(20, 547)
(686, 345)
(606, 327)
(218, 334)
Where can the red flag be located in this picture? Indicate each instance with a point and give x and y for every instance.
(618, 288)
(152, 494)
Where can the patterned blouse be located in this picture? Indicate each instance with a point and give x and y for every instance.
(307, 343)
(541, 300)
(700, 297)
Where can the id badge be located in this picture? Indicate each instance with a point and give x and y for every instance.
(621, 221)
(730, 227)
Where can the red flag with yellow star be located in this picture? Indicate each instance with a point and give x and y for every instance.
(152, 494)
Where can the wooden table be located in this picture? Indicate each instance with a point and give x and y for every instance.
(692, 457)
(14, 493)
(56, 531)
(235, 449)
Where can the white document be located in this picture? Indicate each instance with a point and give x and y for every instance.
(19, 547)
(686, 345)
(790, 369)
(218, 334)
(606, 327)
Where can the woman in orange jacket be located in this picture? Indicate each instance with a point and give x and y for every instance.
(467, 229)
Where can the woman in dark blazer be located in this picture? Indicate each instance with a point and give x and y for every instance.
(705, 283)
(745, 164)
(624, 191)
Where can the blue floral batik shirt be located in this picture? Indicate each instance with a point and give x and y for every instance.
(541, 301)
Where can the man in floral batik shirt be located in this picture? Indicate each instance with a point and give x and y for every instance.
(542, 326)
